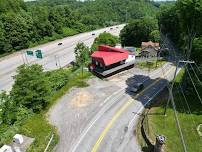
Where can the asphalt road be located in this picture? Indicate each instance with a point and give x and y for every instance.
(112, 128)
(54, 56)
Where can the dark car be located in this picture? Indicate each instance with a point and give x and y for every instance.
(111, 28)
(93, 34)
(60, 43)
(137, 87)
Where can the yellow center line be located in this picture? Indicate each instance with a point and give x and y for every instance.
(120, 111)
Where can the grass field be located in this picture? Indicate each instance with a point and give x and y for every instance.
(157, 123)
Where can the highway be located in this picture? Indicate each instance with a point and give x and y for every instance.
(55, 56)
(112, 128)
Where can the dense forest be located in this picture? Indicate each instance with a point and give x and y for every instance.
(181, 21)
(26, 24)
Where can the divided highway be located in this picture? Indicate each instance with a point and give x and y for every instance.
(55, 56)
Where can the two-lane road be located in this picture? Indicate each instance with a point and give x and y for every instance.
(55, 55)
(112, 129)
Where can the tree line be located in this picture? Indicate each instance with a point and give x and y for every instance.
(181, 21)
(26, 24)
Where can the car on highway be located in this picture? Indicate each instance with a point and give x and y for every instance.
(60, 43)
(137, 87)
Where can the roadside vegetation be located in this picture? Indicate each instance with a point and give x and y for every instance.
(151, 65)
(189, 115)
(34, 92)
(105, 39)
(27, 24)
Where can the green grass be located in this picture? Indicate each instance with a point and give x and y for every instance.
(151, 65)
(39, 128)
(166, 125)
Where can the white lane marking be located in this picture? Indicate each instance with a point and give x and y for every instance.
(95, 119)
(92, 123)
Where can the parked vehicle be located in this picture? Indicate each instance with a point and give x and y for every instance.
(137, 87)
(60, 43)
(93, 34)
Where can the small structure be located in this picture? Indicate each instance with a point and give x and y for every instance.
(6, 148)
(107, 60)
(150, 49)
(18, 139)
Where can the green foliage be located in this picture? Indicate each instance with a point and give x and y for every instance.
(104, 39)
(82, 54)
(38, 127)
(154, 36)
(31, 87)
(24, 25)
(58, 78)
(197, 50)
(169, 21)
(138, 31)
(182, 21)
(35, 124)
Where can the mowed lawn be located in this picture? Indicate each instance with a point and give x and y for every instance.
(166, 125)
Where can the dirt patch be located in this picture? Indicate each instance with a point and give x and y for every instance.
(81, 99)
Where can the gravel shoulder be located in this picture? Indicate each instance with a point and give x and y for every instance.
(74, 110)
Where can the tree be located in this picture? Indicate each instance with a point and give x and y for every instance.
(82, 54)
(154, 36)
(190, 21)
(169, 21)
(31, 88)
(105, 39)
(8, 109)
(138, 31)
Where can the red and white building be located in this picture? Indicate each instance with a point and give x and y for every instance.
(109, 59)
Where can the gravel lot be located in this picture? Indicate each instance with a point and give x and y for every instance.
(74, 111)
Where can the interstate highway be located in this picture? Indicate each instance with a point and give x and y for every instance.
(64, 54)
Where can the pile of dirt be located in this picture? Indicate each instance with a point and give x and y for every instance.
(82, 99)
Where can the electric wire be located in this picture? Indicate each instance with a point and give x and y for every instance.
(196, 74)
(193, 84)
(198, 68)
(186, 102)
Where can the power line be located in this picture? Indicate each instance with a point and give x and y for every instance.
(193, 84)
(196, 74)
(198, 68)
(177, 121)
(186, 102)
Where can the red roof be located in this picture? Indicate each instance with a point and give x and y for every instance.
(108, 55)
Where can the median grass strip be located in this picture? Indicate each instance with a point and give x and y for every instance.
(166, 125)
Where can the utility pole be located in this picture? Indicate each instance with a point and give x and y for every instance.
(170, 87)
